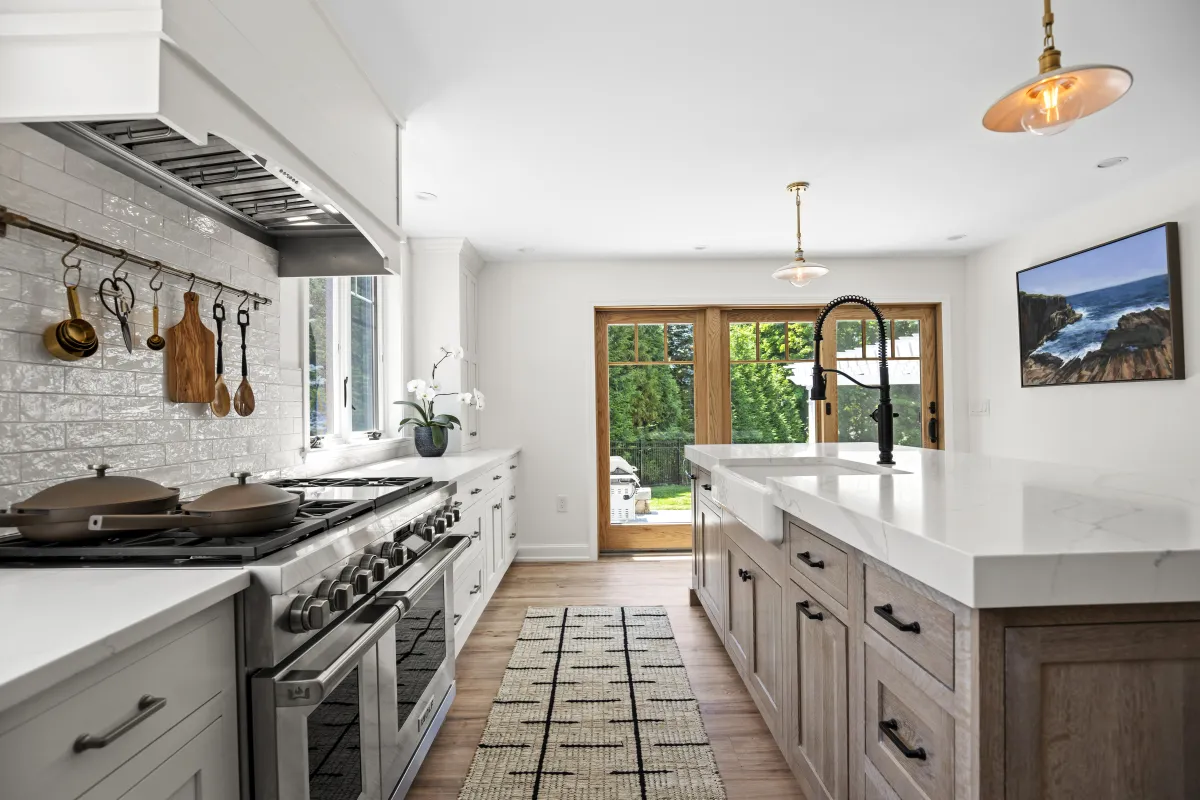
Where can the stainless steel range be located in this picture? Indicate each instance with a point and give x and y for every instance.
(347, 629)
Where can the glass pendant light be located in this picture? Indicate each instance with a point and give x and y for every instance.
(799, 272)
(1051, 102)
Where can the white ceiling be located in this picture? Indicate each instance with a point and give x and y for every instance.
(646, 128)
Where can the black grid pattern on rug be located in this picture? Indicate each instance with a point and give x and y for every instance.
(595, 705)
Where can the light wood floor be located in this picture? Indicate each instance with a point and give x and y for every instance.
(750, 763)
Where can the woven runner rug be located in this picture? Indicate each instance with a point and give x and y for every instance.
(595, 705)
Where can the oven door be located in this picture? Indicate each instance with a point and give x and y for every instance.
(316, 719)
(416, 663)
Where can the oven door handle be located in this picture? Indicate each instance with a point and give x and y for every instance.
(307, 689)
(431, 571)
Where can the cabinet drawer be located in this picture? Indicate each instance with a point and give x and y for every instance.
(908, 737)
(921, 627)
(703, 483)
(38, 759)
(468, 584)
(819, 561)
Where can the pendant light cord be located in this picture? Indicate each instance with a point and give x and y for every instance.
(799, 249)
(1048, 27)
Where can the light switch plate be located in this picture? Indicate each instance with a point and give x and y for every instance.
(981, 408)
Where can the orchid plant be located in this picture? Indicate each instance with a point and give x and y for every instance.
(426, 392)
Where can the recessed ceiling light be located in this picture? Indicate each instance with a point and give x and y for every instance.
(956, 237)
(331, 208)
(700, 247)
(1115, 161)
(308, 222)
(297, 219)
(427, 196)
(524, 249)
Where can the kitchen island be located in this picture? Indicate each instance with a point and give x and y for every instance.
(956, 626)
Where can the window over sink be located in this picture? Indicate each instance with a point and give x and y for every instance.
(344, 364)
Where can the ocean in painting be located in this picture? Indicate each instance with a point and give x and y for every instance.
(1101, 308)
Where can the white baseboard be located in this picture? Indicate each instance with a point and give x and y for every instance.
(554, 552)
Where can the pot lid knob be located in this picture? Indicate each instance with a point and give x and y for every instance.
(99, 469)
(241, 477)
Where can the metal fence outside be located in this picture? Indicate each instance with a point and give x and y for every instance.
(658, 463)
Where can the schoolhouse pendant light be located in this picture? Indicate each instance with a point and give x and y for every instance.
(1051, 102)
(799, 272)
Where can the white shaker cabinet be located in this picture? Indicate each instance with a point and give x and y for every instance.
(445, 313)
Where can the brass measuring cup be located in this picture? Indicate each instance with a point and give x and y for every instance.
(73, 338)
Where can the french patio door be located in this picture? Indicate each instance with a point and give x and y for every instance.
(668, 377)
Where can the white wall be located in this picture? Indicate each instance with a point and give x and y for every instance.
(1136, 426)
(537, 364)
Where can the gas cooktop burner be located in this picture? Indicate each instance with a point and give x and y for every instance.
(289, 483)
(180, 544)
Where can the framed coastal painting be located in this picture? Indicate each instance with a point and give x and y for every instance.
(1107, 314)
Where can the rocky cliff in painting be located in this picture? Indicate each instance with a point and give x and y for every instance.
(1041, 317)
(1139, 348)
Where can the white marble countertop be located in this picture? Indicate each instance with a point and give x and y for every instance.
(58, 622)
(459, 467)
(996, 532)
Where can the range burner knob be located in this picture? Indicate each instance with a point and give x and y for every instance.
(428, 531)
(357, 577)
(339, 594)
(392, 552)
(376, 566)
(307, 614)
(456, 515)
(439, 525)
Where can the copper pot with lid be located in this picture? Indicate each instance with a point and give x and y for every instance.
(60, 513)
(240, 509)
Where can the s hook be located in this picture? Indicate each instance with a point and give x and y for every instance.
(116, 273)
(192, 285)
(68, 266)
(157, 276)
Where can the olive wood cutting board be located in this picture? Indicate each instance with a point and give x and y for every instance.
(191, 357)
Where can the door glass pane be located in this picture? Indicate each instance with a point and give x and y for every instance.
(651, 345)
(620, 343)
(769, 378)
(681, 345)
(362, 353)
(651, 419)
(334, 752)
(856, 403)
(319, 303)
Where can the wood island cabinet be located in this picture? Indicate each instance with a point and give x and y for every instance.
(877, 687)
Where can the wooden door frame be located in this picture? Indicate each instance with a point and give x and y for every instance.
(646, 537)
(711, 400)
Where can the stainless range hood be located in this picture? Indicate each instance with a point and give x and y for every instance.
(245, 191)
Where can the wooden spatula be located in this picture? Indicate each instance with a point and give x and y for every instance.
(243, 399)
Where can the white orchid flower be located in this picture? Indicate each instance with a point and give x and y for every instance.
(459, 353)
(426, 393)
(416, 385)
(479, 399)
(465, 397)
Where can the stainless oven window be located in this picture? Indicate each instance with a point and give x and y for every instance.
(420, 649)
(335, 745)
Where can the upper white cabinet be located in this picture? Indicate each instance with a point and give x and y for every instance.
(445, 313)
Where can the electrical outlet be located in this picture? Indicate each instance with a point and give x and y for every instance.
(560, 504)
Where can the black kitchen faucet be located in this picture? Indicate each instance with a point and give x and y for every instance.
(883, 414)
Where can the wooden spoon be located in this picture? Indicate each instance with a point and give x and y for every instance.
(243, 399)
(220, 401)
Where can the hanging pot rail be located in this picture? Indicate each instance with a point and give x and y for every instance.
(8, 217)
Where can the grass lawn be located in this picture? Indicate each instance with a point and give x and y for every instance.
(671, 498)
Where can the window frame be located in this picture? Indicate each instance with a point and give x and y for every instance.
(339, 420)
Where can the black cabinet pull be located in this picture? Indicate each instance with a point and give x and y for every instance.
(457, 617)
(147, 706)
(475, 590)
(512, 466)
(476, 490)
(889, 727)
(692, 477)
(806, 557)
(744, 574)
(706, 487)
(803, 606)
(885, 611)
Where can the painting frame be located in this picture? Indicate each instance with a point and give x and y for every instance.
(1174, 312)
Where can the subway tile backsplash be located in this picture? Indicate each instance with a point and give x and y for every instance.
(57, 417)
